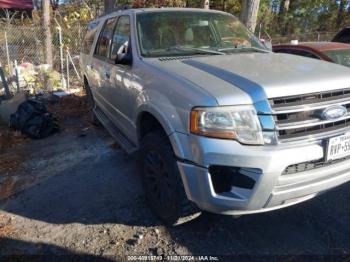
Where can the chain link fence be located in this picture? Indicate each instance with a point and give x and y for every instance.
(311, 37)
(25, 46)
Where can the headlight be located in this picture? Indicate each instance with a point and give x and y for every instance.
(228, 122)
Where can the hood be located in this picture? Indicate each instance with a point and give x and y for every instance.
(253, 77)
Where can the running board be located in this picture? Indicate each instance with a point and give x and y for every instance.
(115, 132)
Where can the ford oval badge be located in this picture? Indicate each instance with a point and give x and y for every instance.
(334, 112)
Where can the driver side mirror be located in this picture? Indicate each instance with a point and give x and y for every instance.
(124, 59)
(267, 43)
(124, 54)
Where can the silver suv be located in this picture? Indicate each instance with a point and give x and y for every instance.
(220, 123)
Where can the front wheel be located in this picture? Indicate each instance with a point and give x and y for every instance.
(162, 183)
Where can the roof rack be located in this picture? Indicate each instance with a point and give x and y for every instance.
(116, 9)
(119, 8)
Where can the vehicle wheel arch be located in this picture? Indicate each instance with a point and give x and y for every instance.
(148, 121)
(180, 149)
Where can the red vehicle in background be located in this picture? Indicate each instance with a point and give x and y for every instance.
(338, 53)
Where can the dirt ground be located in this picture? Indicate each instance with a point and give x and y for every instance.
(79, 194)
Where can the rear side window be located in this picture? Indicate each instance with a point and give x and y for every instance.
(88, 41)
(105, 38)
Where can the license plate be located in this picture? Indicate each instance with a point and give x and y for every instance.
(338, 147)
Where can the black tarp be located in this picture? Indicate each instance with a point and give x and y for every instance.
(33, 119)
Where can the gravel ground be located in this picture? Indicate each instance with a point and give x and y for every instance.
(82, 196)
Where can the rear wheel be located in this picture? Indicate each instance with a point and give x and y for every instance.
(163, 187)
(91, 104)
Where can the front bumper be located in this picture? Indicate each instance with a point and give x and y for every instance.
(272, 190)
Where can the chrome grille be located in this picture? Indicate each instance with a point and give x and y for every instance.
(298, 117)
(311, 98)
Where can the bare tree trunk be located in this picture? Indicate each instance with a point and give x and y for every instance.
(286, 5)
(341, 12)
(249, 13)
(47, 31)
(282, 16)
(36, 4)
(224, 5)
(109, 6)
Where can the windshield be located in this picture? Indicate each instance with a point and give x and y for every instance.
(341, 57)
(188, 33)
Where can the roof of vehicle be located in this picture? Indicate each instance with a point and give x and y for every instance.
(319, 46)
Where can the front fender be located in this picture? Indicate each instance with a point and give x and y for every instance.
(169, 117)
(172, 117)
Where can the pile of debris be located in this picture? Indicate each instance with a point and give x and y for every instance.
(66, 105)
(40, 116)
(32, 79)
(34, 120)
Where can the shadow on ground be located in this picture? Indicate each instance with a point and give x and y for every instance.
(42, 252)
(105, 188)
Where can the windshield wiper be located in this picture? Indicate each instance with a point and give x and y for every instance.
(244, 48)
(195, 49)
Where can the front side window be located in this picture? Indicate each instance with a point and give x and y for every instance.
(102, 47)
(121, 36)
(186, 33)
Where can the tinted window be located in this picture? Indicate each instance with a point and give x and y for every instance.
(340, 56)
(120, 36)
(181, 33)
(304, 53)
(105, 38)
(343, 36)
(297, 52)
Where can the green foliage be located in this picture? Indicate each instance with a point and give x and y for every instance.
(303, 16)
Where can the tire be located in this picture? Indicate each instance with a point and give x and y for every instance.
(162, 183)
(91, 104)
